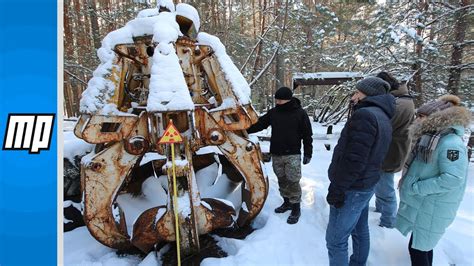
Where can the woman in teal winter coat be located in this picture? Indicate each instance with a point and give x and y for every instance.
(434, 178)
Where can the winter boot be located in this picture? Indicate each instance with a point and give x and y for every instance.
(295, 213)
(286, 206)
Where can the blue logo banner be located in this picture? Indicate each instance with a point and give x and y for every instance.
(28, 84)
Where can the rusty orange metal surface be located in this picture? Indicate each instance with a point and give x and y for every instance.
(124, 140)
(101, 178)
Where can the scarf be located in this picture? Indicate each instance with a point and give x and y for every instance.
(424, 147)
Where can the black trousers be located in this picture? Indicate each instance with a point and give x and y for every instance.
(418, 257)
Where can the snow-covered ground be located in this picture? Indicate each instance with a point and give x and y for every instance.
(277, 243)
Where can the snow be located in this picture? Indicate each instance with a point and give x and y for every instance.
(74, 146)
(150, 12)
(159, 214)
(244, 207)
(239, 85)
(206, 205)
(99, 90)
(87, 159)
(411, 32)
(111, 109)
(116, 213)
(274, 242)
(327, 75)
(420, 25)
(166, 3)
(80, 248)
(68, 203)
(190, 12)
(168, 29)
(213, 184)
(227, 103)
(151, 156)
(132, 206)
(253, 138)
(208, 149)
(168, 89)
(184, 205)
(395, 37)
(177, 162)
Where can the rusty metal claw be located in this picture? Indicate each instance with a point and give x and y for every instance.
(130, 160)
(100, 188)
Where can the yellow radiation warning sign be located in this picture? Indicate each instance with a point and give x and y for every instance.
(171, 135)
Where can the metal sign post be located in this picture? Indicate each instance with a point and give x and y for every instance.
(172, 136)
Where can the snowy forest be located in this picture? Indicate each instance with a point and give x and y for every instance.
(428, 44)
(164, 158)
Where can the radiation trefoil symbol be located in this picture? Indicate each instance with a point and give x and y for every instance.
(171, 135)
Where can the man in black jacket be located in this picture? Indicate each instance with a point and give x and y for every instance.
(290, 124)
(355, 169)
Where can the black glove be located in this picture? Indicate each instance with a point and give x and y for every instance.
(336, 198)
(306, 159)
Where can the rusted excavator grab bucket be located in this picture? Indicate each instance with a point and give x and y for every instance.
(127, 181)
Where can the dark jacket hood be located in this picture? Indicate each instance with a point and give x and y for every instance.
(401, 91)
(386, 102)
(293, 104)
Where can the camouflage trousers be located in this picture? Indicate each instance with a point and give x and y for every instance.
(287, 168)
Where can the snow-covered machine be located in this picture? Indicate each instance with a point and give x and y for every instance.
(153, 71)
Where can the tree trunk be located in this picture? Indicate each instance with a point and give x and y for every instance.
(68, 35)
(260, 45)
(254, 20)
(456, 56)
(279, 70)
(423, 7)
(279, 60)
(94, 24)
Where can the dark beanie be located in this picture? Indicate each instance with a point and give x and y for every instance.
(442, 103)
(283, 93)
(394, 84)
(372, 86)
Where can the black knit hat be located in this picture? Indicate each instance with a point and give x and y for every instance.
(394, 84)
(283, 93)
(372, 86)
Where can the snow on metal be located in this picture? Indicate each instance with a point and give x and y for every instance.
(168, 89)
(324, 78)
(166, 4)
(150, 12)
(327, 75)
(190, 12)
(239, 85)
(100, 89)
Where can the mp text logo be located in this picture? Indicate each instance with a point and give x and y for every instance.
(28, 132)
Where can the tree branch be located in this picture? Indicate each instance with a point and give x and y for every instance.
(257, 44)
(265, 68)
(78, 66)
(75, 77)
(447, 13)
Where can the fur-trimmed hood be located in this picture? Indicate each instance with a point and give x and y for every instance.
(447, 118)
